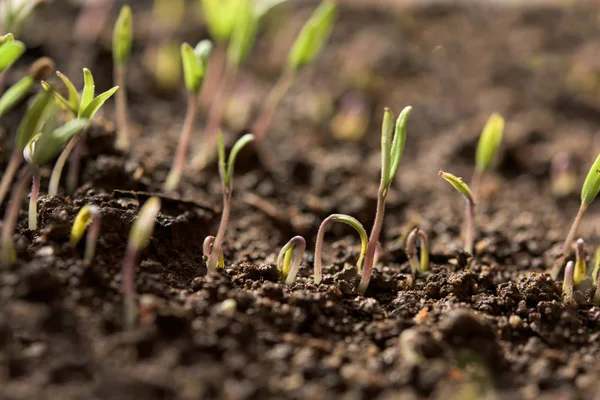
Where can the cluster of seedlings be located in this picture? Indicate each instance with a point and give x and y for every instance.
(55, 125)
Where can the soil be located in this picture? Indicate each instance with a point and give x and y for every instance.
(491, 326)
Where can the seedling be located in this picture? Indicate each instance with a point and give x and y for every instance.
(206, 249)
(139, 235)
(411, 251)
(580, 264)
(391, 153)
(226, 173)
(40, 69)
(194, 68)
(305, 49)
(82, 107)
(567, 288)
(488, 145)
(89, 215)
(10, 51)
(464, 190)
(122, 38)
(348, 220)
(289, 259)
(589, 191)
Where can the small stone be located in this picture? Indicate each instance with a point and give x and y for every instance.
(514, 321)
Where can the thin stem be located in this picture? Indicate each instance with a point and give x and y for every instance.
(33, 198)
(174, 176)
(476, 183)
(568, 241)
(372, 245)
(9, 174)
(568, 283)
(216, 65)
(60, 164)
(469, 226)
(7, 252)
(274, 97)
(92, 236)
(411, 250)
(74, 164)
(128, 286)
(121, 108)
(213, 259)
(290, 258)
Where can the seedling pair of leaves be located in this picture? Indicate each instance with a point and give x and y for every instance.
(10, 51)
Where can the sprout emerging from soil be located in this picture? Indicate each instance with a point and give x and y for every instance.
(89, 215)
(40, 69)
(10, 51)
(82, 107)
(464, 190)
(206, 249)
(139, 235)
(289, 259)
(411, 251)
(121, 47)
(305, 49)
(589, 191)
(226, 173)
(348, 220)
(567, 288)
(194, 68)
(488, 145)
(580, 264)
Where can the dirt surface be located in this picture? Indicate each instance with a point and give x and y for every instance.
(491, 327)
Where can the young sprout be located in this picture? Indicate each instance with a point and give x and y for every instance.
(226, 173)
(194, 68)
(305, 49)
(10, 51)
(580, 264)
(40, 69)
(206, 249)
(121, 47)
(562, 175)
(463, 189)
(488, 145)
(89, 215)
(139, 235)
(348, 220)
(567, 288)
(391, 153)
(82, 107)
(411, 251)
(289, 259)
(589, 191)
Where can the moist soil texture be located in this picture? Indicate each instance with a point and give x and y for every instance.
(489, 326)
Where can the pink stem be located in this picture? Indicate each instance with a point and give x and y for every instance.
(33, 198)
(218, 243)
(7, 252)
(568, 241)
(74, 164)
(92, 237)
(216, 65)
(9, 174)
(128, 286)
(121, 109)
(372, 245)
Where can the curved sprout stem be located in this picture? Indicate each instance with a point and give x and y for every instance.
(411, 251)
(580, 264)
(372, 244)
(290, 257)
(9, 174)
(568, 241)
(207, 247)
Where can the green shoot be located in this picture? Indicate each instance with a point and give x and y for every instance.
(411, 251)
(89, 215)
(122, 38)
(243, 34)
(464, 190)
(589, 191)
(289, 259)
(307, 46)
(567, 288)
(226, 173)
(350, 221)
(194, 68)
(10, 51)
(580, 264)
(139, 236)
(488, 145)
(220, 17)
(391, 153)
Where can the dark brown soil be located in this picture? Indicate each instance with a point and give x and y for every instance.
(495, 327)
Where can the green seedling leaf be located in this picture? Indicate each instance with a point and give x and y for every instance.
(239, 145)
(122, 36)
(45, 147)
(143, 226)
(313, 35)
(261, 7)
(399, 141)
(591, 185)
(88, 91)
(10, 52)
(96, 103)
(458, 184)
(9, 37)
(387, 128)
(73, 102)
(15, 94)
(34, 118)
(220, 16)
(62, 102)
(489, 141)
(202, 51)
(243, 35)
(193, 69)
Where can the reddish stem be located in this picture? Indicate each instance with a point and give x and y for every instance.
(568, 241)
(218, 242)
(216, 65)
(33, 198)
(9, 174)
(128, 285)
(469, 226)
(7, 252)
(373, 239)
(121, 109)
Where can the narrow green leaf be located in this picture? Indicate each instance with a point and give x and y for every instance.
(96, 103)
(34, 118)
(239, 145)
(313, 35)
(399, 141)
(202, 51)
(62, 102)
(489, 141)
(122, 36)
(73, 102)
(15, 94)
(220, 17)
(10, 52)
(49, 145)
(591, 185)
(88, 91)
(193, 69)
(261, 7)
(387, 128)
(458, 184)
(243, 35)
